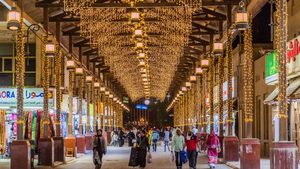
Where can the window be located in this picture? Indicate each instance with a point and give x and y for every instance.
(29, 79)
(6, 79)
(7, 64)
(30, 65)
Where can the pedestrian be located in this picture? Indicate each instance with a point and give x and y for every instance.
(213, 148)
(191, 142)
(166, 140)
(115, 138)
(121, 137)
(154, 138)
(99, 148)
(177, 146)
(130, 137)
(144, 147)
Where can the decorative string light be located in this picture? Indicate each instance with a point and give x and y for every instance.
(71, 89)
(211, 91)
(20, 68)
(58, 81)
(281, 47)
(229, 79)
(46, 82)
(248, 74)
(74, 6)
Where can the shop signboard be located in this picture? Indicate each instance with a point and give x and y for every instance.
(33, 98)
(292, 62)
(271, 67)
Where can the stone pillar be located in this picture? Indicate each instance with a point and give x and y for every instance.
(284, 154)
(20, 155)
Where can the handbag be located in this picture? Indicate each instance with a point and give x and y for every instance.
(183, 157)
(149, 158)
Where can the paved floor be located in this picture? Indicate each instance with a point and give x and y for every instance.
(117, 158)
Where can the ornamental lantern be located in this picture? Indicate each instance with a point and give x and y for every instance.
(13, 19)
(198, 71)
(79, 71)
(89, 79)
(134, 17)
(96, 84)
(102, 89)
(218, 48)
(70, 64)
(193, 78)
(241, 17)
(188, 84)
(50, 49)
(204, 64)
(184, 89)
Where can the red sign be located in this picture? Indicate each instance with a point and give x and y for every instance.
(294, 50)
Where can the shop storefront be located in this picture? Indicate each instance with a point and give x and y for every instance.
(33, 106)
(293, 89)
(225, 112)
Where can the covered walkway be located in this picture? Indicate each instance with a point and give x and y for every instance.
(117, 158)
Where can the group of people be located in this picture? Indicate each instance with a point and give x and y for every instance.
(182, 145)
(193, 146)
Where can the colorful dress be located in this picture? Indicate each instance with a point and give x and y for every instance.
(213, 144)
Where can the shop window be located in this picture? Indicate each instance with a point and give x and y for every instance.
(6, 79)
(30, 65)
(7, 65)
(29, 79)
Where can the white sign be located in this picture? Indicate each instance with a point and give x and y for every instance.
(33, 97)
(225, 90)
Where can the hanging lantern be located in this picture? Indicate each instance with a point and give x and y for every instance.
(111, 96)
(96, 84)
(198, 71)
(142, 64)
(241, 17)
(184, 89)
(138, 33)
(70, 64)
(193, 78)
(144, 75)
(13, 19)
(50, 49)
(107, 93)
(218, 48)
(115, 99)
(188, 84)
(139, 45)
(89, 79)
(204, 64)
(79, 71)
(134, 17)
(181, 93)
(102, 89)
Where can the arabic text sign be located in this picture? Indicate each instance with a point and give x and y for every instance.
(33, 97)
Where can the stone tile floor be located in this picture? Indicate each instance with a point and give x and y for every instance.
(117, 158)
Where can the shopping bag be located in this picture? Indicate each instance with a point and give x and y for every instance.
(149, 158)
(172, 158)
(134, 157)
(183, 157)
(97, 160)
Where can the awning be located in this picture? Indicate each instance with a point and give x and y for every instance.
(292, 87)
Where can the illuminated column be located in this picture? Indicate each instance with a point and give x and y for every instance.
(204, 93)
(46, 75)
(248, 80)
(229, 80)
(20, 69)
(211, 90)
(71, 88)
(220, 82)
(88, 100)
(80, 97)
(58, 60)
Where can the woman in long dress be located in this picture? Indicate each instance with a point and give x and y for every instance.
(213, 146)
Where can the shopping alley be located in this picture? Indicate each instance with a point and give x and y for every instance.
(154, 84)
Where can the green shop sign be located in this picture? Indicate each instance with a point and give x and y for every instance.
(271, 67)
